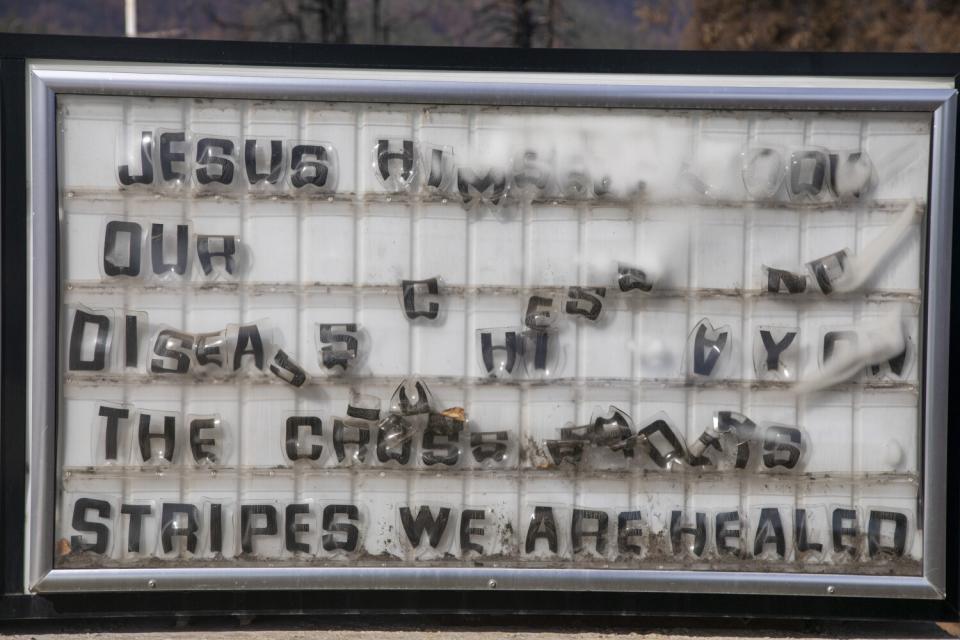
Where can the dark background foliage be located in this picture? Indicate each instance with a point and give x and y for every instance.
(824, 25)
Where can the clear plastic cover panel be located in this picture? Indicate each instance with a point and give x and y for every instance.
(310, 334)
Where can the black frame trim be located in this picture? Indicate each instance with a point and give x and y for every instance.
(16, 50)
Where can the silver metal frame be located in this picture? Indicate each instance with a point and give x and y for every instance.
(936, 97)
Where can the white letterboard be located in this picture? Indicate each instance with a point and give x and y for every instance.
(629, 338)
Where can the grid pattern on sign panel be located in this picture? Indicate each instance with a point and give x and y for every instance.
(340, 258)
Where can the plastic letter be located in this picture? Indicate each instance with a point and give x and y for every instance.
(592, 296)
(80, 523)
(292, 528)
(330, 541)
(361, 439)
(198, 444)
(489, 445)
(510, 346)
(625, 531)
(276, 162)
(168, 156)
(723, 533)
(136, 513)
(156, 250)
(699, 532)
(285, 368)
(466, 518)
(247, 528)
(839, 531)
(205, 156)
(780, 278)
(146, 162)
(228, 252)
(170, 528)
(874, 525)
(293, 437)
(248, 334)
(410, 307)
(577, 534)
(80, 320)
(173, 345)
(800, 534)
(111, 251)
(146, 437)
(113, 416)
(424, 522)
(542, 525)
(314, 172)
(769, 530)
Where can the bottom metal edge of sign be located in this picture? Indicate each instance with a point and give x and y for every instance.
(275, 578)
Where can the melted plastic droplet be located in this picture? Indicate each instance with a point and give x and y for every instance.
(457, 413)
(876, 341)
(763, 171)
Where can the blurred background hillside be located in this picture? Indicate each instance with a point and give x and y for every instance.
(823, 25)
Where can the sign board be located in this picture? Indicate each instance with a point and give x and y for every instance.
(311, 328)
